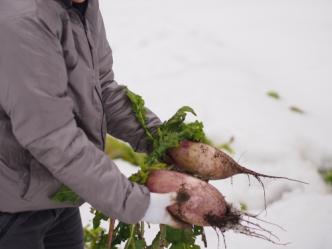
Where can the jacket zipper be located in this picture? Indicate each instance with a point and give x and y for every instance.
(83, 21)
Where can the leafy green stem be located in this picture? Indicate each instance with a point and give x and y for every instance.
(130, 243)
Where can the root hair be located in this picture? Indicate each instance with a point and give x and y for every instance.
(241, 222)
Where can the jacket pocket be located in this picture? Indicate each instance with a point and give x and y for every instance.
(6, 222)
(34, 181)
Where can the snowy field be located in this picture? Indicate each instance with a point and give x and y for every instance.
(222, 57)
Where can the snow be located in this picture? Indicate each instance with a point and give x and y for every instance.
(222, 57)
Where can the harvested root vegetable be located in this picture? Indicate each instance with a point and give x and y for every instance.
(192, 193)
(201, 204)
(210, 163)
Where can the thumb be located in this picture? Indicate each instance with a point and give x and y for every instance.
(173, 221)
(178, 224)
(178, 197)
(172, 198)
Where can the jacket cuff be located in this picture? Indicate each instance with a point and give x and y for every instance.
(138, 206)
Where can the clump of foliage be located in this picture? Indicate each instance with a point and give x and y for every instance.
(171, 132)
(95, 238)
(168, 135)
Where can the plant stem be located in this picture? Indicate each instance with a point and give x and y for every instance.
(162, 239)
(131, 238)
(204, 238)
(142, 230)
(110, 233)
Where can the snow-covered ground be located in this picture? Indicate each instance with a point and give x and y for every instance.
(221, 57)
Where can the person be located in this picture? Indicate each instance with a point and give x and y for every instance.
(58, 99)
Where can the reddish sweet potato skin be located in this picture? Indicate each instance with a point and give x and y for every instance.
(196, 198)
(203, 161)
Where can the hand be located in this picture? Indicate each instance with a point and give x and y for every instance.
(157, 211)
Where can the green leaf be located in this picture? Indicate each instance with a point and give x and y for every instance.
(117, 149)
(273, 94)
(183, 245)
(180, 235)
(140, 244)
(121, 233)
(98, 217)
(197, 230)
(65, 194)
(184, 238)
(327, 176)
(243, 207)
(178, 118)
(296, 109)
(139, 110)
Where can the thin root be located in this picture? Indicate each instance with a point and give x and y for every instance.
(264, 221)
(255, 174)
(239, 222)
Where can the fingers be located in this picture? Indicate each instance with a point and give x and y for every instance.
(176, 223)
(169, 219)
(172, 198)
(168, 199)
(158, 212)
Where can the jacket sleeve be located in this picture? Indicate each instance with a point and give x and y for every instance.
(34, 94)
(121, 120)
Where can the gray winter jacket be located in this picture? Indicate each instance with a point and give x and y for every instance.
(58, 99)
